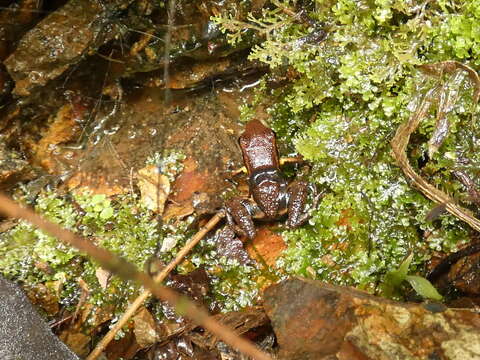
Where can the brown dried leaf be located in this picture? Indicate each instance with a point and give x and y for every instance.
(145, 328)
(77, 342)
(242, 321)
(154, 188)
(103, 276)
(178, 211)
(267, 246)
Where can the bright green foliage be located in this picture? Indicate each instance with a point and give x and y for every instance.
(459, 33)
(126, 228)
(121, 226)
(394, 279)
(348, 95)
(423, 287)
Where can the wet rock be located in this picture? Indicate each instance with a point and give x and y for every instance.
(23, 333)
(13, 167)
(63, 127)
(194, 35)
(60, 40)
(5, 83)
(465, 274)
(15, 18)
(314, 320)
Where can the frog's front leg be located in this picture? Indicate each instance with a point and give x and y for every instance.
(297, 202)
(240, 213)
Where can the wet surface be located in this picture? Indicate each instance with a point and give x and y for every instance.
(89, 99)
(465, 274)
(204, 130)
(43, 53)
(13, 168)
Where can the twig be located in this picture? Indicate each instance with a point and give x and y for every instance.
(283, 161)
(128, 271)
(399, 145)
(158, 279)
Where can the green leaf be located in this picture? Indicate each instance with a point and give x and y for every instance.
(423, 287)
(97, 199)
(396, 277)
(106, 213)
(403, 268)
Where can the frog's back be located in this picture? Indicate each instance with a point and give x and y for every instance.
(259, 147)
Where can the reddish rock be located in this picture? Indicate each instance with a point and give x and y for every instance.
(315, 320)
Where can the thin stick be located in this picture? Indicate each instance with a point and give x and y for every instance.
(283, 161)
(129, 272)
(132, 309)
(401, 140)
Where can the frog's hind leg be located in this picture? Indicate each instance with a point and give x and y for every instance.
(239, 216)
(298, 212)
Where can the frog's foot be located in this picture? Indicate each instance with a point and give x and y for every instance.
(298, 211)
(239, 216)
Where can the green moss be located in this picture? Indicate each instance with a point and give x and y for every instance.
(344, 99)
(121, 226)
(340, 111)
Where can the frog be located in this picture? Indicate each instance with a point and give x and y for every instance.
(271, 195)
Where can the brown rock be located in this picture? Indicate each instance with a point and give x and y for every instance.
(464, 275)
(314, 320)
(57, 42)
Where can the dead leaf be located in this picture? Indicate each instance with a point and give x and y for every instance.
(124, 348)
(44, 296)
(84, 182)
(103, 276)
(266, 245)
(145, 328)
(178, 211)
(154, 188)
(77, 342)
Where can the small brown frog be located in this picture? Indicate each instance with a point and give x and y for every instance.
(271, 193)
